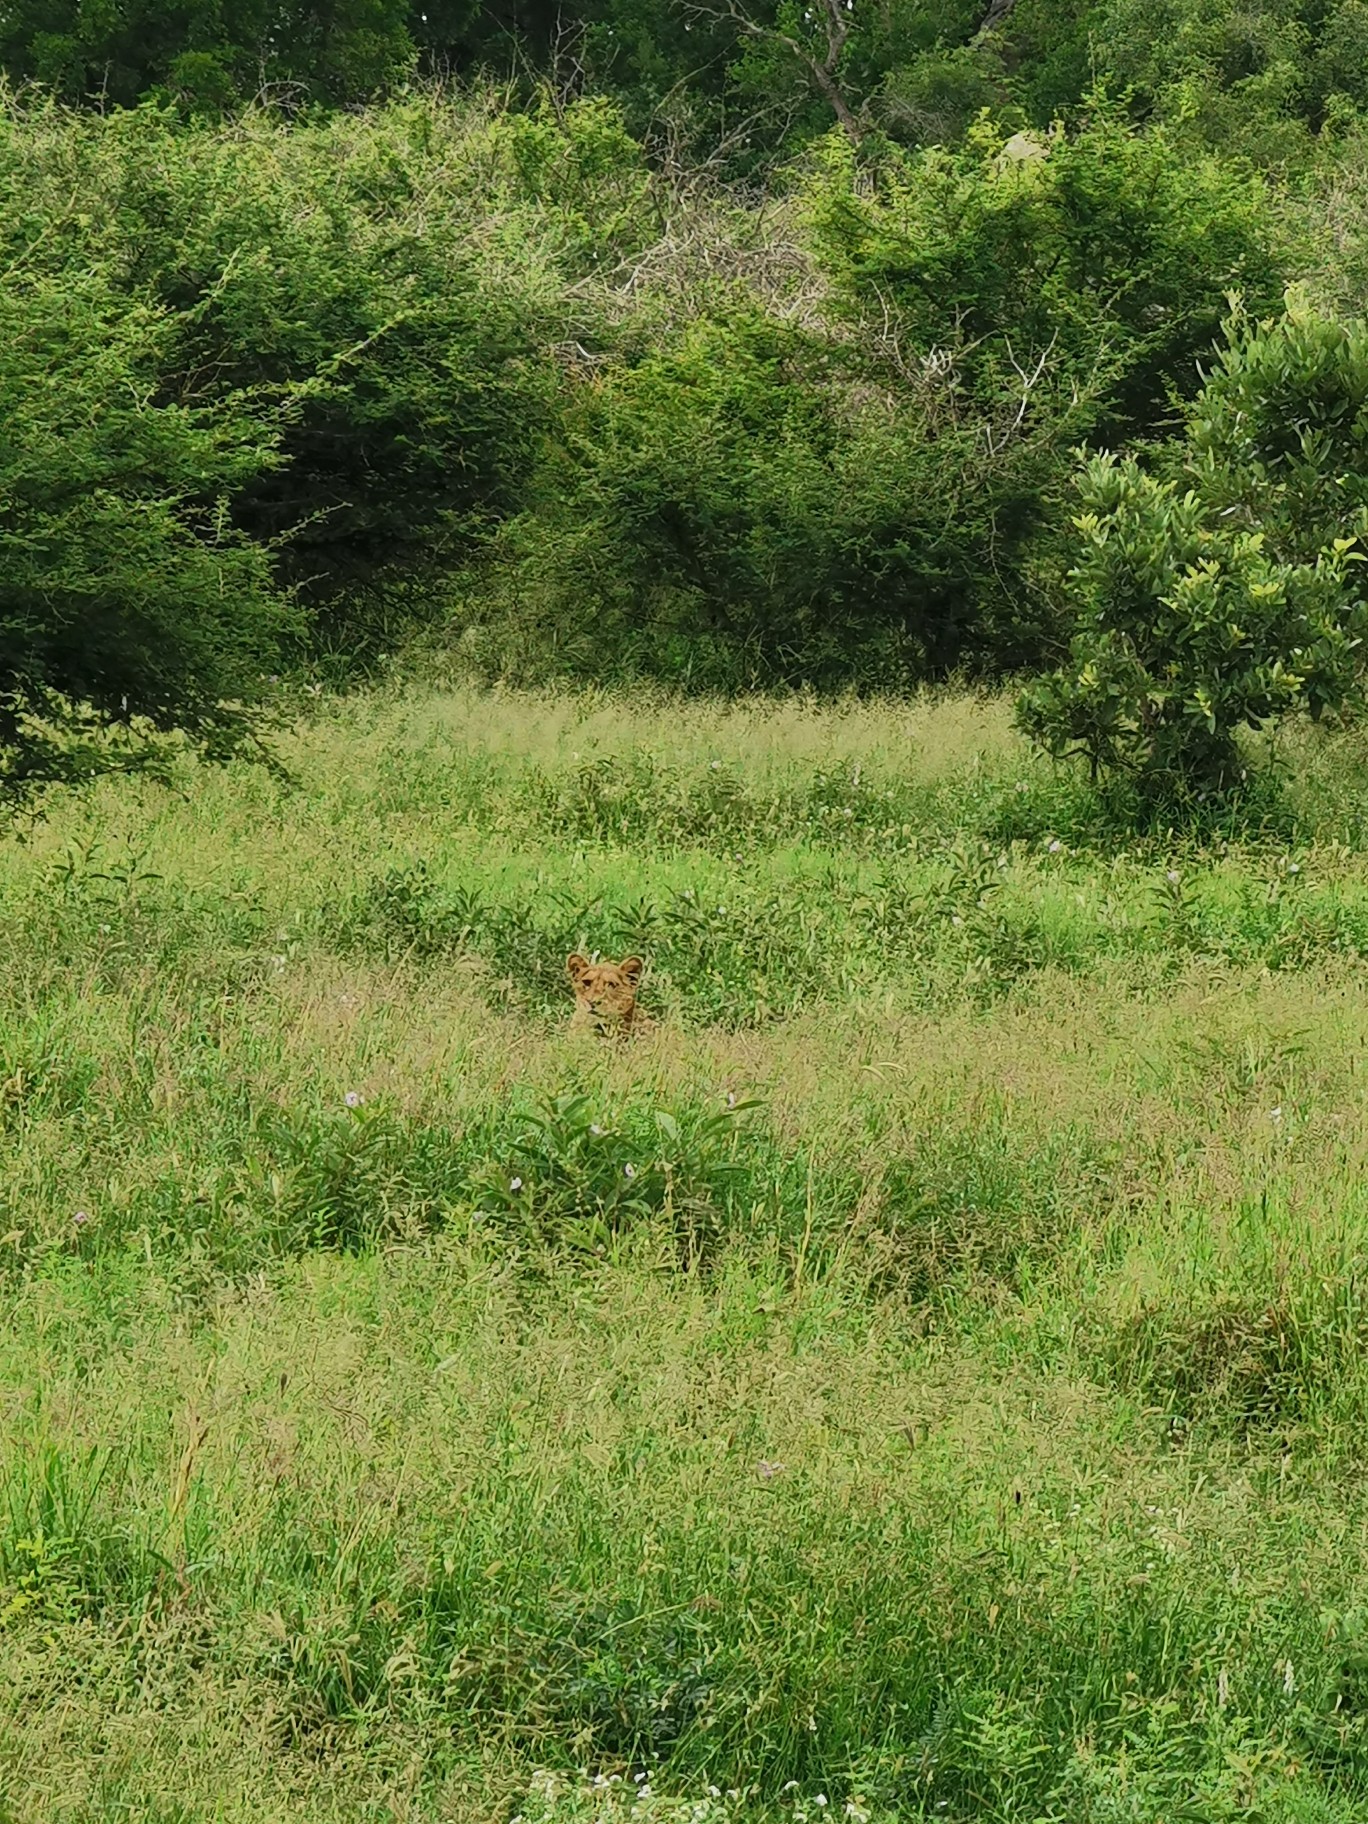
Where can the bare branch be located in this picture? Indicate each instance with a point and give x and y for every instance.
(1029, 382)
(821, 70)
(998, 13)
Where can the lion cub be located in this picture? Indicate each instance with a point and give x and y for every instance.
(605, 993)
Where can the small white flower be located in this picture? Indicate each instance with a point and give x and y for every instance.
(629, 1171)
(1054, 845)
(1294, 867)
(819, 1798)
(956, 920)
(81, 1218)
(351, 1098)
(1173, 877)
(1275, 1114)
(515, 1184)
(716, 765)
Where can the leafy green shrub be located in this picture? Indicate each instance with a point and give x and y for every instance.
(566, 1177)
(1276, 436)
(1079, 286)
(373, 292)
(347, 1177)
(583, 174)
(1261, 79)
(740, 505)
(129, 604)
(1236, 601)
(866, 492)
(303, 261)
(578, 1183)
(1189, 630)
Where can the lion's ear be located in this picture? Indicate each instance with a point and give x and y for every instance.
(576, 965)
(631, 967)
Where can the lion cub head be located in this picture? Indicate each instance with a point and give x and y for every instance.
(605, 993)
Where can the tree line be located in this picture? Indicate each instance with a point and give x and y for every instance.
(749, 80)
(796, 384)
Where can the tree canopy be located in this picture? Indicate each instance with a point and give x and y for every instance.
(753, 77)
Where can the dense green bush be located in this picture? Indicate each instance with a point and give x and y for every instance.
(744, 83)
(397, 281)
(266, 364)
(1190, 630)
(1259, 76)
(128, 602)
(738, 504)
(869, 489)
(358, 269)
(1278, 434)
(1094, 266)
(1230, 595)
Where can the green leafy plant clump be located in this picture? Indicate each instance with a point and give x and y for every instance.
(566, 1179)
(130, 599)
(1229, 595)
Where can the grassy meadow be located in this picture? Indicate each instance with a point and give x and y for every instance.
(922, 1376)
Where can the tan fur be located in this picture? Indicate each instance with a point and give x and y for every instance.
(605, 994)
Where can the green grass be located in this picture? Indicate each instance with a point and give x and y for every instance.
(924, 1375)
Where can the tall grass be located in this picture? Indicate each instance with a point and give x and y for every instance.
(922, 1375)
